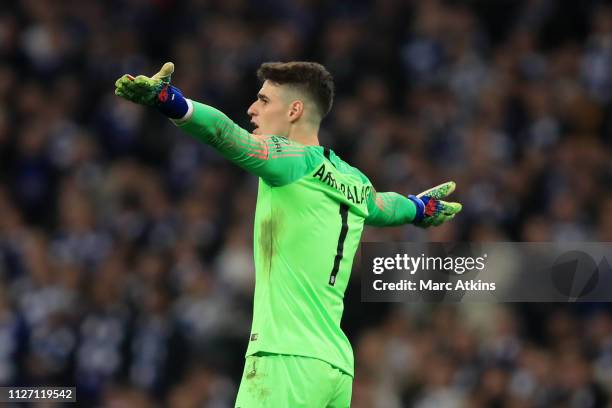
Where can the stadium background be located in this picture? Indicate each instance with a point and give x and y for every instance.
(125, 246)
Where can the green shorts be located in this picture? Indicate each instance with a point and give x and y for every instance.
(279, 381)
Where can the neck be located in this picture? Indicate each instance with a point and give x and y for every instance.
(305, 134)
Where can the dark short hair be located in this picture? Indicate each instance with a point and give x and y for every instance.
(311, 78)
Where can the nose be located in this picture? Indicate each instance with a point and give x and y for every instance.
(251, 111)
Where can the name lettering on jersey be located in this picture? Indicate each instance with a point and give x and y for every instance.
(352, 193)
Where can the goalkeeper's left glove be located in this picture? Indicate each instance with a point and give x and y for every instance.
(154, 91)
(431, 210)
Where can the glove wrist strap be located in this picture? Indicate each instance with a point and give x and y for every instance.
(420, 208)
(172, 103)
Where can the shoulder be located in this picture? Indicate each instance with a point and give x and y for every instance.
(280, 143)
(346, 168)
(281, 147)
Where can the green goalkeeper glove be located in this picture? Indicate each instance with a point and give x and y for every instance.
(154, 91)
(431, 210)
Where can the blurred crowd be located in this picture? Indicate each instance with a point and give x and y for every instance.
(125, 246)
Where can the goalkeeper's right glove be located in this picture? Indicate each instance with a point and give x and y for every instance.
(431, 210)
(154, 91)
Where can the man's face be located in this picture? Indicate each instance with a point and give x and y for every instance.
(270, 112)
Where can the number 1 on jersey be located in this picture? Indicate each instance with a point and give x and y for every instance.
(343, 233)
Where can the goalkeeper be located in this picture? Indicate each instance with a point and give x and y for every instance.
(311, 210)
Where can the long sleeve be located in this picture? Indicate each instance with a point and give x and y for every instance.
(389, 209)
(276, 159)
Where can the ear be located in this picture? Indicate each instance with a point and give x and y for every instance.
(296, 110)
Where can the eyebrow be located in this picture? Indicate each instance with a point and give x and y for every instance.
(262, 97)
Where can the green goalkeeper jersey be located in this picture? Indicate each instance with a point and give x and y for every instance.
(311, 210)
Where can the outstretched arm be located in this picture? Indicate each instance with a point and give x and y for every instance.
(275, 159)
(390, 209)
(423, 210)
